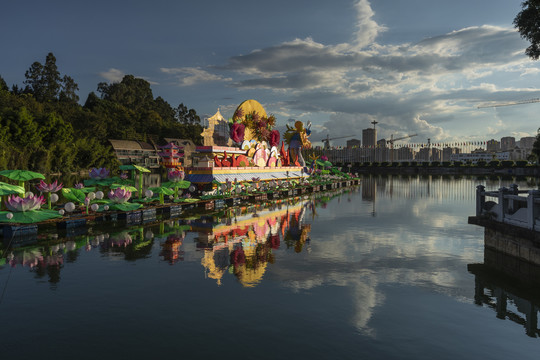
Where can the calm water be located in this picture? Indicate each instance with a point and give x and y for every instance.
(379, 272)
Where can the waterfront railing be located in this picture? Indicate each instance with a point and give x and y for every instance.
(510, 206)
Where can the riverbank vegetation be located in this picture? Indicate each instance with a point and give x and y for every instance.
(44, 128)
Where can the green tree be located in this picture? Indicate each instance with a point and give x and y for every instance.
(185, 116)
(164, 109)
(55, 130)
(46, 84)
(131, 92)
(3, 85)
(68, 92)
(536, 147)
(93, 153)
(24, 130)
(527, 21)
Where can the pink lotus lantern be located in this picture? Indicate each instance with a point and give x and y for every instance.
(176, 175)
(48, 189)
(17, 204)
(119, 195)
(99, 173)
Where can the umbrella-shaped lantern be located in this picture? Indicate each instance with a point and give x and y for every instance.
(176, 181)
(140, 169)
(162, 191)
(21, 175)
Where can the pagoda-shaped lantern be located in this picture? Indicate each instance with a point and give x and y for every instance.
(170, 157)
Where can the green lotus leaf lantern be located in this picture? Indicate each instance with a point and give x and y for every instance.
(21, 175)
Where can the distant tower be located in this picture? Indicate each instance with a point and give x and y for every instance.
(369, 136)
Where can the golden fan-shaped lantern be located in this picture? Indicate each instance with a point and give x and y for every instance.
(247, 107)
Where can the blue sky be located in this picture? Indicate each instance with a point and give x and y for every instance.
(416, 66)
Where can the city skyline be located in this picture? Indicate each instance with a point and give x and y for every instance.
(372, 134)
(424, 67)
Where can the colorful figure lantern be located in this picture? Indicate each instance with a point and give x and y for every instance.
(297, 138)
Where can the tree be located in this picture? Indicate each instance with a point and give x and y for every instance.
(186, 116)
(165, 110)
(131, 92)
(536, 147)
(3, 85)
(527, 21)
(53, 130)
(24, 130)
(68, 92)
(46, 84)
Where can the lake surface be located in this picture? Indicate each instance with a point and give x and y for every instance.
(380, 271)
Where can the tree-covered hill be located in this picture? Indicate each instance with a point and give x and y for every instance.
(44, 128)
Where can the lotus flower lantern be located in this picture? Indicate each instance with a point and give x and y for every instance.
(20, 204)
(119, 195)
(43, 187)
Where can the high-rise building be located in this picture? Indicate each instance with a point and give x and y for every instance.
(404, 154)
(424, 154)
(508, 143)
(369, 137)
(527, 142)
(436, 154)
(448, 152)
(382, 151)
(353, 143)
(493, 145)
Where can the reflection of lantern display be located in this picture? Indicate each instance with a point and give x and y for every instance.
(30, 258)
(170, 249)
(297, 234)
(122, 239)
(244, 244)
(250, 272)
(274, 241)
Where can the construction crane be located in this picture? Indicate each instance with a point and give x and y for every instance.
(326, 141)
(529, 101)
(391, 142)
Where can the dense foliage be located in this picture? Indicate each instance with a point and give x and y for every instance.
(45, 129)
(527, 21)
(535, 154)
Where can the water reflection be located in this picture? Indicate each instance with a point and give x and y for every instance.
(442, 188)
(171, 239)
(238, 241)
(241, 241)
(510, 287)
(44, 261)
(393, 280)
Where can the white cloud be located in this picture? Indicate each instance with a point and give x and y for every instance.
(530, 71)
(188, 76)
(112, 75)
(431, 87)
(367, 28)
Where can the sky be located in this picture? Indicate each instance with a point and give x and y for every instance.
(416, 67)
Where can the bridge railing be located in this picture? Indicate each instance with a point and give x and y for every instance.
(510, 206)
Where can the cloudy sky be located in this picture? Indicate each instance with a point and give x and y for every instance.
(416, 66)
